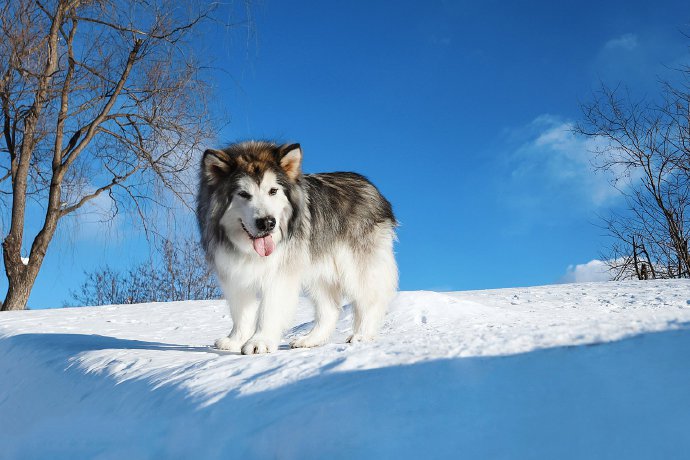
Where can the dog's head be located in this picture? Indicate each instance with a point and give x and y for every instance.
(256, 182)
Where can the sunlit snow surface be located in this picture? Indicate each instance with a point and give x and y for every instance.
(498, 373)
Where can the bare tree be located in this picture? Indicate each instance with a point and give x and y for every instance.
(185, 275)
(97, 97)
(178, 272)
(646, 147)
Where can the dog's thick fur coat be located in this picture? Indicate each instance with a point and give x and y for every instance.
(269, 230)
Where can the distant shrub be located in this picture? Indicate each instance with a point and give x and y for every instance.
(178, 272)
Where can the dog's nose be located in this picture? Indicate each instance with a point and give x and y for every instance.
(266, 224)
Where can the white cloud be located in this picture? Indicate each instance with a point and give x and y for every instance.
(594, 270)
(640, 60)
(560, 163)
(626, 42)
(440, 40)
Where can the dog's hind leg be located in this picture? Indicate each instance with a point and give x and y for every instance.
(326, 300)
(243, 308)
(368, 314)
(375, 287)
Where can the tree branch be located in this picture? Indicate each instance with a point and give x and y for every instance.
(117, 180)
(70, 156)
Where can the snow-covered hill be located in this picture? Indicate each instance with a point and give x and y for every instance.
(484, 374)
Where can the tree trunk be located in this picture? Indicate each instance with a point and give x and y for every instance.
(17, 291)
(21, 280)
(17, 294)
(20, 276)
(635, 260)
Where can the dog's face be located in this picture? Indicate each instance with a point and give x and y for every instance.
(253, 181)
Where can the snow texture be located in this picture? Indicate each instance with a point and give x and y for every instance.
(505, 373)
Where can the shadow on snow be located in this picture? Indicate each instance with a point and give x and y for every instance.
(625, 399)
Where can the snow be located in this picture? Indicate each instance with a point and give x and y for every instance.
(507, 373)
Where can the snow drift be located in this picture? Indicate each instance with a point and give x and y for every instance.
(503, 374)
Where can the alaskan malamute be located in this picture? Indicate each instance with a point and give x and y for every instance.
(269, 230)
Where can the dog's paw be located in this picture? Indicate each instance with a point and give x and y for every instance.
(307, 342)
(259, 346)
(356, 338)
(228, 344)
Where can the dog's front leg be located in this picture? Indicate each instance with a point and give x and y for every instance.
(276, 311)
(243, 309)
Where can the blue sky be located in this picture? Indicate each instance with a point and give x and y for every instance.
(458, 111)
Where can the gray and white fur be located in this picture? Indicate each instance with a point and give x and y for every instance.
(270, 231)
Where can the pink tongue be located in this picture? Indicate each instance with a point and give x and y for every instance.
(264, 246)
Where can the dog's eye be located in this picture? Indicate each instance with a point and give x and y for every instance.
(244, 195)
(273, 191)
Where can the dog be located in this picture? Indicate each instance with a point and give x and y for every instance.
(269, 232)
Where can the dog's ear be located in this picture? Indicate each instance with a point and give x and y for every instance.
(216, 164)
(291, 160)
